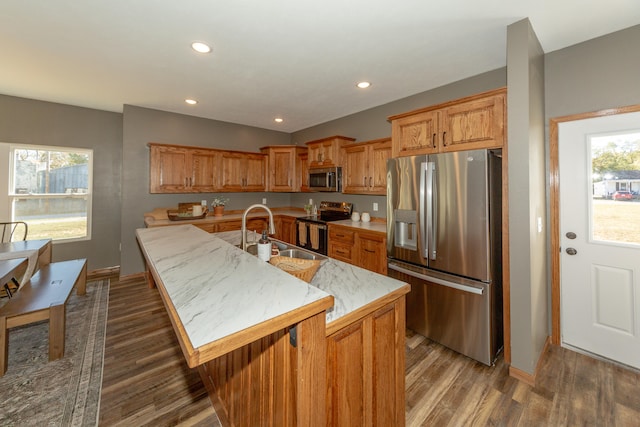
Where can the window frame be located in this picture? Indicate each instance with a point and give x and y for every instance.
(11, 196)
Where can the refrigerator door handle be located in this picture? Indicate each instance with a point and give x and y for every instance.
(430, 251)
(423, 235)
(463, 288)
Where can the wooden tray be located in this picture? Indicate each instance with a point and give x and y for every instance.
(184, 215)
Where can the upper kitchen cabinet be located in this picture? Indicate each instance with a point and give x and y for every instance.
(241, 171)
(303, 170)
(182, 169)
(283, 167)
(470, 123)
(326, 152)
(365, 167)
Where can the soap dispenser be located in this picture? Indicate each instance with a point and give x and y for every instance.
(264, 247)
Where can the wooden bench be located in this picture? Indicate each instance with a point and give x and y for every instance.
(41, 298)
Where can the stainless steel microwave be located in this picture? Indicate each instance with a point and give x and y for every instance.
(325, 179)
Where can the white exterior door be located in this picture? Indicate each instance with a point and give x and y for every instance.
(600, 238)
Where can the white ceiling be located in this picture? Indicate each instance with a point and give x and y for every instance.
(296, 59)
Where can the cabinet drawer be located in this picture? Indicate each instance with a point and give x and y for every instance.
(341, 235)
(341, 252)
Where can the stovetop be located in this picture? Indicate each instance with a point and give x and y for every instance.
(330, 211)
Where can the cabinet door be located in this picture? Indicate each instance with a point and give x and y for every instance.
(168, 170)
(286, 230)
(349, 381)
(242, 171)
(379, 153)
(365, 366)
(232, 174)
(203, 170)
(355, 176)
(303, 171)
(281, 169)
(255, 169)
(372, 252)
(415, 134)
(320, 153)
(474, 124)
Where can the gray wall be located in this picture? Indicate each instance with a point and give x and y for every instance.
(527, 198)
(142, 125)
(595, 75)
(27, 121)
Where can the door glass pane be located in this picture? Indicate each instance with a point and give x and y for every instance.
(615, 175)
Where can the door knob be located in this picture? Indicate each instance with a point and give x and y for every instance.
(571, 235)
(571, 251)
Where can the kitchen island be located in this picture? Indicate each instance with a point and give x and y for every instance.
(274, 349)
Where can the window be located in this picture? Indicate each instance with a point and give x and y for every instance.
(615, 180)
(50, 189)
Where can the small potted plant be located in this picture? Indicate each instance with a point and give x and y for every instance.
(218, 204)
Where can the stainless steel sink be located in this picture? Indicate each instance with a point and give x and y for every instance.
(299, 253)
(287, 250)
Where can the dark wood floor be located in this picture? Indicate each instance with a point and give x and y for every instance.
(147, 382)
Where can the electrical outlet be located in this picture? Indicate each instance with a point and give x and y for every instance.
(375, 207)
(264, 200)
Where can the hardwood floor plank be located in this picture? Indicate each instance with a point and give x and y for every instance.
(147, 382)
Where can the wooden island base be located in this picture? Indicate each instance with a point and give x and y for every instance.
(354, 376)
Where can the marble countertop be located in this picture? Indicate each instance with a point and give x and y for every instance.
(377, 226)
(352, 287)
(218, 290)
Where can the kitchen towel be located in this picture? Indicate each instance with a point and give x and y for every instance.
(315, 239)
(302, 233)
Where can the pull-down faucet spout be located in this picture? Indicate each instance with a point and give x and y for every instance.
(272, 227)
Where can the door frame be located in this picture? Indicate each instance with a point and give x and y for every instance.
(554, 202)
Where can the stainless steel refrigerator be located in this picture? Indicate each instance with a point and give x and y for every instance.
(444, 238)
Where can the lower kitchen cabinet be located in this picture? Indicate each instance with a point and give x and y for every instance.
(365, 369)
(286, 229)
(253, 224)
(366, 249)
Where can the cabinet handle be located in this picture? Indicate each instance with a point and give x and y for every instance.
(444, 139)
(370, 182)
(341, 252)
(364, 181)
(339, 235)
(433, 140)
(371, 251)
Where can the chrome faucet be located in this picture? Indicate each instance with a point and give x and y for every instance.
(272, 227)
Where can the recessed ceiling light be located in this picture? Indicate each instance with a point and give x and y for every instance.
(200, 47)
(363, 85)
(191, 101)
(278, 120)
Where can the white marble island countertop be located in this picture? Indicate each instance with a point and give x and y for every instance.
(219, 297)
(353, 288)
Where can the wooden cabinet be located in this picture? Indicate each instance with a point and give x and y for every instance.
(303, 171)
(363, 248)
(283, 167)
(326, 152)
(181, 169)
(365, 167)
(286, 229)
(372, 251)
(365, 366)
(341, 243)
(471, 123)
(241, 171)
(256, 224)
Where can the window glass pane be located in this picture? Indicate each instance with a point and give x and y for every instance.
(51, 191)
(615, 162)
